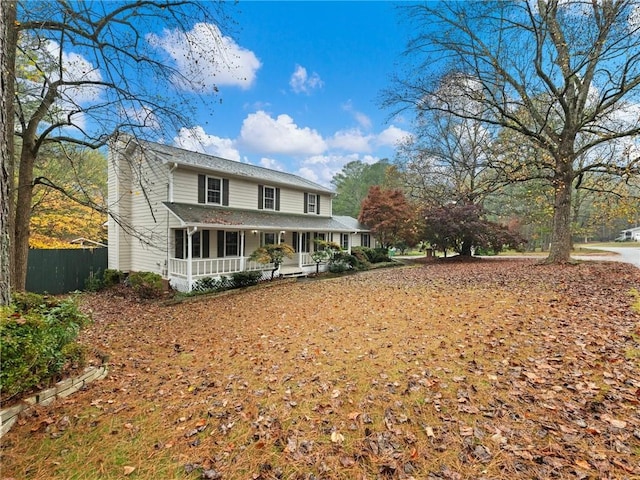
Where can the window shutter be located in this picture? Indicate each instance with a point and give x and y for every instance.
(260, 197)
(179, 243)
(277, 199)
(201, 189)
(220, 243)
(205, 244)
(225, 192)
(318, 204)
(306, 202)
(294, 240)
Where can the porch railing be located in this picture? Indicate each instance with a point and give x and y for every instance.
(212, 267)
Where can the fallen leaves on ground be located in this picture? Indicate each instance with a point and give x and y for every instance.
(493, 369)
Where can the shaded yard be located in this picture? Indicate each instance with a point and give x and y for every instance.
(496, 369)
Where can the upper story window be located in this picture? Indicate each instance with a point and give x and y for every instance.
(312, 203)
(213, 190)
(268, 198)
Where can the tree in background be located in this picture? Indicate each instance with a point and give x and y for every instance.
(391, 218)
(564, 76)
(69, 197)
(353, 182)
(462, 227)
(448, 159)
(86, 70)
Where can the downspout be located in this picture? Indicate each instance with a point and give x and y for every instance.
(169, 199)
(190, 255)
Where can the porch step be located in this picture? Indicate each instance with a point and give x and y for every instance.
(292, 272)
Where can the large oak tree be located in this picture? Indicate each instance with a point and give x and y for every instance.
(562, 75)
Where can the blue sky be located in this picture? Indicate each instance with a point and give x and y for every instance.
(300, 91)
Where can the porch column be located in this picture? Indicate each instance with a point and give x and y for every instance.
(242, 258)
(190, 256)
(300, 252)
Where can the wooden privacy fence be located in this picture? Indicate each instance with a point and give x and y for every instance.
(63, 270)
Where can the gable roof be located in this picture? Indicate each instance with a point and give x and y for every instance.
(168, 154)
(221, 217)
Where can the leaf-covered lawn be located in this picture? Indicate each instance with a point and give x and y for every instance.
(490, 369)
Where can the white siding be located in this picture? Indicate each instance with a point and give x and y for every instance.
(185, 186)
(243, 193)
(119, 204)
(135, 196)
(291, 201)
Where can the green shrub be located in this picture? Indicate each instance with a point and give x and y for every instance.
(338, 267)
(210, 284)
(37, 339)
(245, 279)
(28, 302)
(363, 260)
(342, 261)
(94, 283)
(380, 255)
(146, 284)
(112, 277)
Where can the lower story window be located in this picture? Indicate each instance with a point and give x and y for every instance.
(231, 244)
(344, 241)
(365, 240)
(269, 239)
(199, 244)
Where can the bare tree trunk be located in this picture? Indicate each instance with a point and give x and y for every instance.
(7, 87)
(465, 251)
(560, 250)
(23, 216)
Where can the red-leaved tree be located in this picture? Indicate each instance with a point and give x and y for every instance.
(461, 227)
(391, 218)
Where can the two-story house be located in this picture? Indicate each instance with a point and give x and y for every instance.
(187, 215)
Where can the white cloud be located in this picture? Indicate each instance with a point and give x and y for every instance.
(141, 115)
(634, 20)
(264, 134)
(363, 120)
(309, 174)
(272, 163)
(391, 136)
(351, 141)
(207, 59)
(301, 82)
(195, 139)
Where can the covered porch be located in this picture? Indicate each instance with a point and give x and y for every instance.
(215, 242)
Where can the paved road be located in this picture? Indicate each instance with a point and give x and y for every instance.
(624, 254)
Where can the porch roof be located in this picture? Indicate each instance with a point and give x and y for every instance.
(225, 218)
